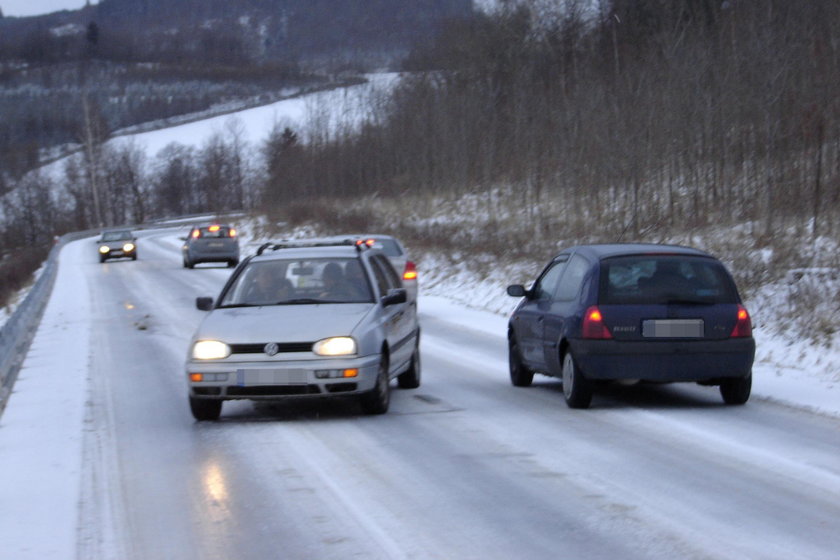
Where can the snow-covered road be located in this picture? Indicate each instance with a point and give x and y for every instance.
(100, 457)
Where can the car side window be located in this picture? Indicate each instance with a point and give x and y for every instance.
(381, 278)
(391, 274)
(547, 283)
(569, 286)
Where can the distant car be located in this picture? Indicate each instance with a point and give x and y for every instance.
(396, 253)
(211, 243)
(117, 244)
(641, 312)
(305, 319)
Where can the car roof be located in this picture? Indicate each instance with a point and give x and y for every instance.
(607, 250)
(309, 248)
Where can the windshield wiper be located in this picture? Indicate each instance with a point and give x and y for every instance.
(233, 305)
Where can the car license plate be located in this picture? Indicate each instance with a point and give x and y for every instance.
(673, 328)
(216, 245)
(248, 377)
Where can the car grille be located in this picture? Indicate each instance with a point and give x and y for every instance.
(272, 390)
(282, 347)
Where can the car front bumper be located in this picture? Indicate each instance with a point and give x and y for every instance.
(271, 380)
(664, 361)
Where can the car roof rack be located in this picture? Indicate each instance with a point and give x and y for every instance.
(360, 244)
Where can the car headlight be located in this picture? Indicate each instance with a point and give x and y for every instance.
(210, 350)
(104, 249)
(335, 346)
(128, 247)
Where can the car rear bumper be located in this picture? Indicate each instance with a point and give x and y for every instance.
(664, 360)
(277, 380)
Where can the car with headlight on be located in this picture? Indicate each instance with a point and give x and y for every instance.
(117, 244)
(305, 319)
(211, 243)
(632, 313)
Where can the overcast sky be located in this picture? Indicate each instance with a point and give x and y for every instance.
(36, 7)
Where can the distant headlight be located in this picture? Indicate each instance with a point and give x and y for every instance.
(210, 350)
(128, 247)
(336, 346)
(104, 249)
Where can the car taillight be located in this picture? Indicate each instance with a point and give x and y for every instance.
(743, 326)
(410, 271)
(196, 234)
(593, 325)
(232, 232)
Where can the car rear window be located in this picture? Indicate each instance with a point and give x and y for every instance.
(218, 232)
(663, 279)
(388, 246)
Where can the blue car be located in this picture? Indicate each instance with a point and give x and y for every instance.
(632, 312)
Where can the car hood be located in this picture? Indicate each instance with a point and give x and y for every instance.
(282, 323)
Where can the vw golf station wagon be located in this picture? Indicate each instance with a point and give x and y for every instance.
(640, 312)
(305, 319)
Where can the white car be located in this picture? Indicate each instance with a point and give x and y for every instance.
(305, 319)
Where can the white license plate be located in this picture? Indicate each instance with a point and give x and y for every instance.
(673, 328)
(248, 377)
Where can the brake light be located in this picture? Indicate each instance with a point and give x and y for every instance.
(593, 325)
(232, 232)
(196, 234)
(743, 326)
(410, 272)
(213, 228)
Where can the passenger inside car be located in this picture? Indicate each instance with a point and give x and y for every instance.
(266, 286)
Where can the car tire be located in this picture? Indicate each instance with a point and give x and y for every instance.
(576, 389)
(520, 375)
(377, 400)
(411, 378)
(736, 390)
(134, 257)
(205, 409)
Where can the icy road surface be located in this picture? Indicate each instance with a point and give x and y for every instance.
(464, 467)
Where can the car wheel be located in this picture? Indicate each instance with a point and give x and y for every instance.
(376, 401)
(576, 389)
(520, 375)
(411, 378)
(736, 390)
(205, 409)
(134, 257)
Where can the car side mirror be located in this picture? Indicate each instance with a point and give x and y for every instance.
(395, 296)
(517, 290)
(204, 303)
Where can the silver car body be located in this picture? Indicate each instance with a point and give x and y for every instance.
(272, 343)
(117, 244)
(211, 243)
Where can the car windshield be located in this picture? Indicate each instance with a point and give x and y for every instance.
(116, 235)
(664, 279)
(299, 281)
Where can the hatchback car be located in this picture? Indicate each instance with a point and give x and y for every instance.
(396, 253)
(305, 319)
(211, 244)
(117, 244)
(641, 312)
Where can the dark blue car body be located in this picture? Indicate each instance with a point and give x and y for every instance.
(647, 312)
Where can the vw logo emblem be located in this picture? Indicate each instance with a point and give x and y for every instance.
(271, 348)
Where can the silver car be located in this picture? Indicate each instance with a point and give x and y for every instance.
(117, 244)
(396, 253)
(211, 243)
(305, 319)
